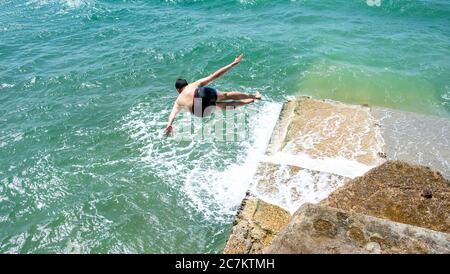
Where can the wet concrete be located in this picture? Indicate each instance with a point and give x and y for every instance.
(415, 138)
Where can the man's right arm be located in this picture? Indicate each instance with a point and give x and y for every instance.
(176, 108)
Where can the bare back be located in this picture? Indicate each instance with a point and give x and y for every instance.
(185, 99)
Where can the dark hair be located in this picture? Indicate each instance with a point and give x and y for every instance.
(180, 83)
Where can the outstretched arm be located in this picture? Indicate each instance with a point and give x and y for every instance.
(176, 108)
(220, 72)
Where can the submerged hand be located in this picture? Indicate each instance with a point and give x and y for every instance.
(168, 130)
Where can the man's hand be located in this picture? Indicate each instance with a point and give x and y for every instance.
(168, 130)
(238, 59)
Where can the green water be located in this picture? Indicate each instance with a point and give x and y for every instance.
(86, 87)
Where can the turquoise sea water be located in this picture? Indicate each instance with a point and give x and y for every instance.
(86, 87)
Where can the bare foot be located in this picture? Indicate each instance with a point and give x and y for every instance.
(257, 96)
(248, 101)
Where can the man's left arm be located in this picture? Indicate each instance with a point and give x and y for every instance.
(220, 72)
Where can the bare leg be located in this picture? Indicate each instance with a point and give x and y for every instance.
(226, 105)
(235, 104)
(236, 95)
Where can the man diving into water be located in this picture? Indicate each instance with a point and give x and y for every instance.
(202, 101)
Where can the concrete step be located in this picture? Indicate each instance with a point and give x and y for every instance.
(323, 229)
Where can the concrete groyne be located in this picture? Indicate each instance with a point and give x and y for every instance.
(329, 155)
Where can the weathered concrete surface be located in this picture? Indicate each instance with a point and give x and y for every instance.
(415, 138)
(321, 128)
(322, 229)
(277, 140)
(399, 192)
(310, 137)
(255, 226)
(317, 146)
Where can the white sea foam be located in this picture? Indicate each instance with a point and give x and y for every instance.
(6, 85)
(290, 190)
(316, 179)
(247, 2)
(446, 95)
(88, 85)
(73, 4)
(227, 188)
(212, 179)
(339, 165)
(9, 138)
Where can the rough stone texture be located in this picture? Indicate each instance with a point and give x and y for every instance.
(322, 229)
(255, 226)
(398, 191)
